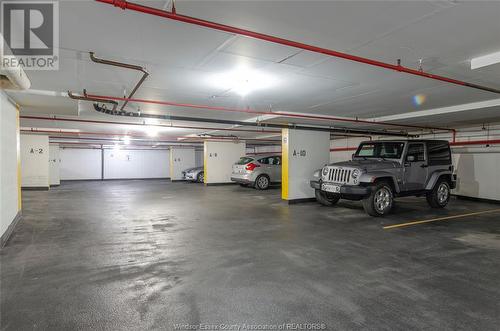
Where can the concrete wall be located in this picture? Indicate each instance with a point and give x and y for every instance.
(344, 143)
(478, 171)
(476, 165)
(35, 161)
(124, 164)
(198, 158)
(264, 149)
(180, 159)
(85, 164)
(219, 158)
(10, 194)
(79, 163)
(54, 163)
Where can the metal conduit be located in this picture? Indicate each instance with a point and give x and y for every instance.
(277, 113)
(142, 124)
(145, 73)
(267, 125)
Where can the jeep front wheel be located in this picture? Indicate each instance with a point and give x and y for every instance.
(440, 194)
(380, 200)
(325, 198)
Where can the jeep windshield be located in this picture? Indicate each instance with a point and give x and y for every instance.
(380, 149)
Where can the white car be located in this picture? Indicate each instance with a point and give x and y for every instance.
(194, 174)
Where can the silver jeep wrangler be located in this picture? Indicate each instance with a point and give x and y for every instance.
(382, 170)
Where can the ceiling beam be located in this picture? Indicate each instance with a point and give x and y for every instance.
(440, 111)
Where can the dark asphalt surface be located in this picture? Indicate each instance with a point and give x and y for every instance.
(138, 255)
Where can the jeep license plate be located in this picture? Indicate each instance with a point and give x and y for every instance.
(330, 188)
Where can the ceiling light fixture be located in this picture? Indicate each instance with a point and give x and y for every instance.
(486, 60)
(243, 81)
(126, 140)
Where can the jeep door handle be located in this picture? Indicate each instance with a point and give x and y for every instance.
(424, 165)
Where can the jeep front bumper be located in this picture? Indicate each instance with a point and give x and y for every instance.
(345, 189)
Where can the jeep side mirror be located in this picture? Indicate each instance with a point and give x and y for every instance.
(353, 155)
(410, 158)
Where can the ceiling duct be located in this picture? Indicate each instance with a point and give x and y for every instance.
(145, 73)
(12, 78)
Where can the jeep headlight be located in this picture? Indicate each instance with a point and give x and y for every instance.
(355, 173)
(325, 171)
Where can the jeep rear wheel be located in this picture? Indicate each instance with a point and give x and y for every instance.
(380, 200)
(440, 194)
(326, 199)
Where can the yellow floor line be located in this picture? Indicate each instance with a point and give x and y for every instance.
(439, 219)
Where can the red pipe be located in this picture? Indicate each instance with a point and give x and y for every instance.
(476, 142)
(226, 28)
(351, 136)
(263, 153)
(141, 124)
(190, 139)
(259, 112)
(343, 149)
(90, 144)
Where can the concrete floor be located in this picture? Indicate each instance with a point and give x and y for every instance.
(137, 255)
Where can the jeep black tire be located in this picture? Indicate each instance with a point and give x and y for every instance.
(262, 182)
(325, 198)
(380, 200)
(440, 194)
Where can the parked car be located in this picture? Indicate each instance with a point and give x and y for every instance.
(259, 171)
(382, 170)
(194, 174)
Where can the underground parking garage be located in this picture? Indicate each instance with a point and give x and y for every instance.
(242, 165)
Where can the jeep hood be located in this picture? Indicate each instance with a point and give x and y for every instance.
(370, 164)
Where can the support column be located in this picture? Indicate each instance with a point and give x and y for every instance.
(303, 152)
(35, 162)
(54, 162)
(180, 160)
(219, 157)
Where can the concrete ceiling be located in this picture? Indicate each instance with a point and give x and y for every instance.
(183, 59)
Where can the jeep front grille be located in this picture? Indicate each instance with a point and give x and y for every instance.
(339, 175)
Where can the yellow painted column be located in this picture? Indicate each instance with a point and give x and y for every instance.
(284, 164)
(205, 158)
(18, 150)
(171, 163)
